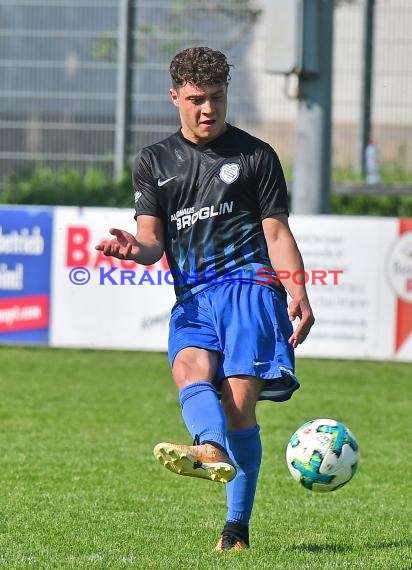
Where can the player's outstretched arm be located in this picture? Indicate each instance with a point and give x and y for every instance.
(145, 248)
(286, 260)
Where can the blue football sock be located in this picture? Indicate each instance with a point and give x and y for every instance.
(245, 449)
(202, 413)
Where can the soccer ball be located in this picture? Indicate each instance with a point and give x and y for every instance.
(322, 455)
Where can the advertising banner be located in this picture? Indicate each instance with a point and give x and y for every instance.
(399, 271)
(355, 304)
(103, 302)
(367, 313)
(25, 257)
(358, 273)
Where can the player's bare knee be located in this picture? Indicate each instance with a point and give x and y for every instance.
(193, 365)
(185, 373)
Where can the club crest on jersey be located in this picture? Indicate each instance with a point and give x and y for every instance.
(229, 172)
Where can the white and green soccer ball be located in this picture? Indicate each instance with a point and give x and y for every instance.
(322, 455)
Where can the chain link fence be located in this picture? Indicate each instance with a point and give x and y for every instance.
(59, 78)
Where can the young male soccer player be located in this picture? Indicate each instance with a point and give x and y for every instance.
(213, 198)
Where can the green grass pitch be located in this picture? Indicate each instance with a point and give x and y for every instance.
(80, 488)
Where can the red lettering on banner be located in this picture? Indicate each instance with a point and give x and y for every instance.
(80, 252)
(128, 264)
(77, 247)
(163, 263)
(403, 308)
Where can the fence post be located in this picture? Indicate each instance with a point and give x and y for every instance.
(124, 82)
(312, 168)
(364, 132)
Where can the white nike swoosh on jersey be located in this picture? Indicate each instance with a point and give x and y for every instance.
(260, 363)
(161, 183)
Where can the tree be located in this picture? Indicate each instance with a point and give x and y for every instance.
(240, 16)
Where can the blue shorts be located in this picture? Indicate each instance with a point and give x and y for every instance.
(248, 325)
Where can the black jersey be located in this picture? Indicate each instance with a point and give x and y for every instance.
(212, 199)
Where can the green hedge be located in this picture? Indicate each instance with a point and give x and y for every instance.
(70, 187)
(357, 205)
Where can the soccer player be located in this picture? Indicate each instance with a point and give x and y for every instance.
(214, 199)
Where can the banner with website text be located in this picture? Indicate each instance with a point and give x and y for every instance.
(25, 257)
(358, 273)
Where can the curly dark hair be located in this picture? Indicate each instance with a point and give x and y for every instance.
(199, 66)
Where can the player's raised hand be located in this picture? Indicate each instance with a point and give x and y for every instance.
(122, 246)
(301, 309)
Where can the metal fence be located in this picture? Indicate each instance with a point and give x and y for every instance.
(59, 80)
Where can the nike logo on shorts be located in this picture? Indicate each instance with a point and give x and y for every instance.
(161, 183)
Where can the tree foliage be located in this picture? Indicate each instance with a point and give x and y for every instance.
(181, 15)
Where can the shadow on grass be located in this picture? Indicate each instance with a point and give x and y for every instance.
(383, 545)
(319, 548)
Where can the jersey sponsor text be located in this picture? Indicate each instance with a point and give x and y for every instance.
(191, 216)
